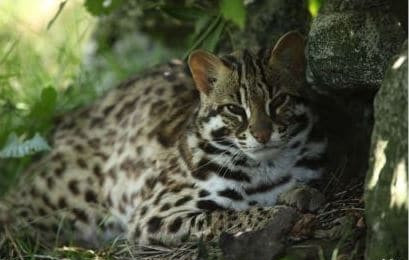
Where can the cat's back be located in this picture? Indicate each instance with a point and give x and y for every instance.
(153, 106)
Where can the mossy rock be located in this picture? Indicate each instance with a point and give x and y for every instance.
(386, 183)
(351, 43)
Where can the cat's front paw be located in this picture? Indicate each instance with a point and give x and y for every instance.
(303, 198)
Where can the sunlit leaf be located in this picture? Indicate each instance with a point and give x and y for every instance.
(15, 148)
(314, 6)
(234, 11)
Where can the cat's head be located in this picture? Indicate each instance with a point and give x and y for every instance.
(252, 101)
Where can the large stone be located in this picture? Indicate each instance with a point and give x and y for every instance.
(386, 184)
(351, 42)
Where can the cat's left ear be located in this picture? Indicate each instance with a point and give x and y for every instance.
(205, 68)
(289, 52)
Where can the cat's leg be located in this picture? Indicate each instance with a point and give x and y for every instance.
(302, 197)
(186, 223)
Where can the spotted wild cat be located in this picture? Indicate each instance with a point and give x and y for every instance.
(158, 159)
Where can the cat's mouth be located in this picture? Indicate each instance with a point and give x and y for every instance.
(262, 153)
(264, 148)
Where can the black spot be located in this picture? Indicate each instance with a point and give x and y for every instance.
(210, 149)
(143, 211)
(73, 187)
(96, 121)
(90, 196)
(139, 150)
(23, 213)
(41, 212)
(182, 201)
(81, 163)
(150, 182)
(121, 208)
(178, 89)
(203, 193)
(200, 224)
(107, 110)
(62, 203)
(252, 203)
(79, 148)
(159, 196)
(47, 201)
(50, 182)
(137, 233)
(60, 170)
(165, 207)
(124, 198)
(33, 192)
(97, 171)
(208, 205)
(268, 186)
(80, 215)
(175, 225)
(154, 224)
(147, 90)
(159, 91)
(128, 107)
(231, 194)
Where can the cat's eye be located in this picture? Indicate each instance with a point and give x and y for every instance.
(235, 109)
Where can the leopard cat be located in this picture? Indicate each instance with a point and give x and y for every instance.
(178, 153)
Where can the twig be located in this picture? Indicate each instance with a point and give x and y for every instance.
(13, 243)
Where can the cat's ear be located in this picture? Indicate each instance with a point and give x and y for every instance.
(205, 68)
(289, 52)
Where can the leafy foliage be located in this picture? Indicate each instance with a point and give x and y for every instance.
(41, 77)
(204, 21)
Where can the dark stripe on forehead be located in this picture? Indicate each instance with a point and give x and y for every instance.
(264, 78)
(238, 96)
(230, 61)
(249, 63)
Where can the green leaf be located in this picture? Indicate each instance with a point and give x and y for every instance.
(49, 98)
(212, 40)
(44, 108)
(234, 11)
(15, 148)
(187, 13)
(101, 7)
(314, 6)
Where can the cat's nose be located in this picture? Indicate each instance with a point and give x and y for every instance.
(262, 135)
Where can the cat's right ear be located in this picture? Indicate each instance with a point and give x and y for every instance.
(205, 68)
